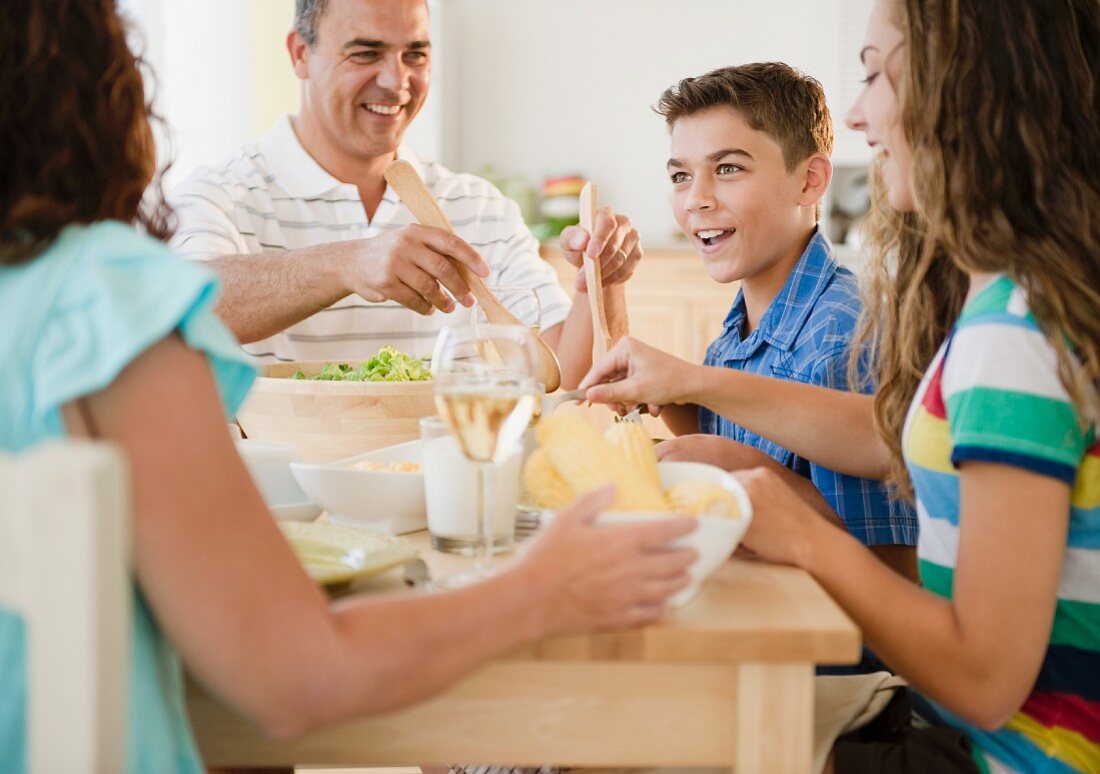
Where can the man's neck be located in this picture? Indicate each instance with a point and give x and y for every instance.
(365, 173)
(761, 289)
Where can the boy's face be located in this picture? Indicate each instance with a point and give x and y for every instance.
(733, 196)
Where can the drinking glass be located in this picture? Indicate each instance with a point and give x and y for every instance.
(485, 391)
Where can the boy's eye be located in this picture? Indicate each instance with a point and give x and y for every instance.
(679, 177)
(728, 169)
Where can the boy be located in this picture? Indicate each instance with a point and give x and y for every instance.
(749, 166)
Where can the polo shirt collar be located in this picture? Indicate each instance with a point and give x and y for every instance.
(788, 311)
(298, 173)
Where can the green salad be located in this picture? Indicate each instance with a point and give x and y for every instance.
(389, 365)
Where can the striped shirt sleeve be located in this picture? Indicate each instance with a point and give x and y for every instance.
(1001, 407)
(206, 226)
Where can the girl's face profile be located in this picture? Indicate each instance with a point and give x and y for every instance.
(875, 111)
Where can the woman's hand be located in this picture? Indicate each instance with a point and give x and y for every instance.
(587, 575)
(633, 374)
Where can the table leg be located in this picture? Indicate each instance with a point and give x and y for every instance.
(774, 727)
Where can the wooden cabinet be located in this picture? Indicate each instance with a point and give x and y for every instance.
(673, 305)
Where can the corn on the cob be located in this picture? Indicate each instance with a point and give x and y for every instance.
(701, 498)
(586, 460)
(634, 444)
(543, 486)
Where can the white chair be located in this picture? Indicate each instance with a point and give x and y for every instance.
(64, 567)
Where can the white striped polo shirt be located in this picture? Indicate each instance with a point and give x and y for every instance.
(274, 196)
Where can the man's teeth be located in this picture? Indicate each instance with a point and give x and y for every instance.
(386, 110)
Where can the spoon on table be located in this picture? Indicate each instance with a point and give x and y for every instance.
(403, 178)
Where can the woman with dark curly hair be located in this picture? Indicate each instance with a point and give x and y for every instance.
(982, 313)
(103, 332)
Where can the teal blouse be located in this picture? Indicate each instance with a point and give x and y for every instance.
(70, 321)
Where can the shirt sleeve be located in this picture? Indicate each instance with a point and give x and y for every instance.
(206, 224)
(866, 507)
(1005, 402)
(124, 293)
(520, 265)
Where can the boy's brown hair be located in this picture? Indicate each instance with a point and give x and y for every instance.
(774, 98)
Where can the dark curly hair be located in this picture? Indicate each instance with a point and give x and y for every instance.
(74, 126)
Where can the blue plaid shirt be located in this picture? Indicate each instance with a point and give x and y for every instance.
(805, 336)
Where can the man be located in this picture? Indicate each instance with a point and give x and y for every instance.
(314, 249)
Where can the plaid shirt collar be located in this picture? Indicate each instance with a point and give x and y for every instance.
(787, 312)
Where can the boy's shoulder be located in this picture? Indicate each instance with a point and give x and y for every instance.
(831, 319)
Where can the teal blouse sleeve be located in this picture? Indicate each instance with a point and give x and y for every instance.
(120, 293)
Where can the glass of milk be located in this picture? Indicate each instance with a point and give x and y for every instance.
(450, 493)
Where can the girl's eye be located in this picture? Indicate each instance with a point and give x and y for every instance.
(728, 169)
(679, 177)
(869, 79)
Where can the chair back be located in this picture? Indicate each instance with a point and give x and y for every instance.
(64, 567)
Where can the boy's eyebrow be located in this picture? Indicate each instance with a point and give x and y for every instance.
(863, 51)
(716, 156)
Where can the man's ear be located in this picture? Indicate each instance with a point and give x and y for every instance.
(818, 175)
(298, 49)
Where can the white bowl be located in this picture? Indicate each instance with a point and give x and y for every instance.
(715, 537)
(269, 465)
(381, 500)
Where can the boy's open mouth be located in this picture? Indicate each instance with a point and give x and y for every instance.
(714, 236)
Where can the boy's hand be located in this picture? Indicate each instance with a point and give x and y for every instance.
(614, 242)
(716, 450)
(633, 373)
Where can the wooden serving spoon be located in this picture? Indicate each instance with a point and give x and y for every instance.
(593, 277)
(405, 180)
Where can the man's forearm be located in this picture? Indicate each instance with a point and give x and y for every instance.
(265, 293)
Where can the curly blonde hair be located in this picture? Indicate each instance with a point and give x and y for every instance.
(1000, 102)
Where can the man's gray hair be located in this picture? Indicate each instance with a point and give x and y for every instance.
(307, 13)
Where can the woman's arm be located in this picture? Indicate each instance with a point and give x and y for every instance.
(979, 653)
(230, 595)
(833, 428)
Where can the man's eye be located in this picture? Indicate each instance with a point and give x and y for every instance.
(416, 56)
(678, 177)
(365, 55)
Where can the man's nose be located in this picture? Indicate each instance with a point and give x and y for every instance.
(393, 75)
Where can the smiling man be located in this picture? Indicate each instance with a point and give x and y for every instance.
(313, 248)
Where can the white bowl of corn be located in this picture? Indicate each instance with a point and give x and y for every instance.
(573, 457)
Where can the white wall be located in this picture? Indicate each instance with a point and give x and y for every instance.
(544, 87)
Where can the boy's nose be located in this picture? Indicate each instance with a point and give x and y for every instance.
(699, 200)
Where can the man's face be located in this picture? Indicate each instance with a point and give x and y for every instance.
(367, 75)
(732, 194)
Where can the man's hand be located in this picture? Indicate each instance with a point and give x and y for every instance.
(614, 243)
(412, 266)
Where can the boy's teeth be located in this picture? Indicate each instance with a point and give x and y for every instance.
(386, 110)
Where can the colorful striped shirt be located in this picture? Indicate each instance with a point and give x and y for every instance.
(993, 394)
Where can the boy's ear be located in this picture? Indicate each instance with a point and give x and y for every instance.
(298, 49)
(819, 173)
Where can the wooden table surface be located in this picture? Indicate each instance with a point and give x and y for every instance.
(725, 681)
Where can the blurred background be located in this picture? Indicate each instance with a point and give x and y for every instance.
(523, 90)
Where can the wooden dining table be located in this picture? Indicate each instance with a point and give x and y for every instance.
(726, 681)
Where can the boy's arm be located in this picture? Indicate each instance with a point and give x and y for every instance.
(681, 420)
